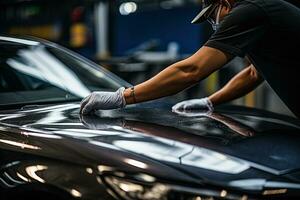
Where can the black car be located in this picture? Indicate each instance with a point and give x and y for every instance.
(143, 152)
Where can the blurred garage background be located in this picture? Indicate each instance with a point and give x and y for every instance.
(134, 39)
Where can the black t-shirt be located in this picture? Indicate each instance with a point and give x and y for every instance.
(268, 32)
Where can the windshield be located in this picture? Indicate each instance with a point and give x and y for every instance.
(44, 74)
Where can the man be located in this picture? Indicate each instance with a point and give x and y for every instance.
(266, 31)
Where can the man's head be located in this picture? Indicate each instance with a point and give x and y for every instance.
(213, 11)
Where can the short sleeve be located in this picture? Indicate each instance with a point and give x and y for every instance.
(240, 30)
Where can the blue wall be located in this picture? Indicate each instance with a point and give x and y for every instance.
(166, 25)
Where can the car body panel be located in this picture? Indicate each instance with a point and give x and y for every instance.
(215, 149)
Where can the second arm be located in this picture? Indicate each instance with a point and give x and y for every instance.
(240, 85)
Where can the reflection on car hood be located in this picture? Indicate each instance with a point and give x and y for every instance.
(226, 145)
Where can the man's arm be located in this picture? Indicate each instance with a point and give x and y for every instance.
(240, 85)
(173, 79)
(179, 76)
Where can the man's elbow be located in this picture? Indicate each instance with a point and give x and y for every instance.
(203, 63)
(254, 75)
(191, 74)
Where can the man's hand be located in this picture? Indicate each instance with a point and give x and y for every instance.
(103, 101)
(194, 104)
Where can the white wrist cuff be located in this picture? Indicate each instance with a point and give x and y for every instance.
(122, 98)
(209, 105)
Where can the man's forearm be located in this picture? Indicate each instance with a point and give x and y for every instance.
(240, 85)
(178, 76)
(168, 82)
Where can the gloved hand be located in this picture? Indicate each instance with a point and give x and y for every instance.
(103, 101)
(194, 104)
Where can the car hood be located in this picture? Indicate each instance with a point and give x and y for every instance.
(232, 144)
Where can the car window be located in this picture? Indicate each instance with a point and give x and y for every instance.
(40, 73)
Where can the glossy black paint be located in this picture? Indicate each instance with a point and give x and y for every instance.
(52, 152)
(232, 149)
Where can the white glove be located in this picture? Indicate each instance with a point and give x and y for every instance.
(103, 101)
(194, 104)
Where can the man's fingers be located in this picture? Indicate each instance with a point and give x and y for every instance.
(84, 102)
(88, 108)
(194, 104)
(176, 107)
(179, 106)
(185, 107)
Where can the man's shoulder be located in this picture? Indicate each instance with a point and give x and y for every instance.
(265, 4)
(248, 8)
(258, 3)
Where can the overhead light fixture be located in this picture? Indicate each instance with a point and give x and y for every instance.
(128, 8)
